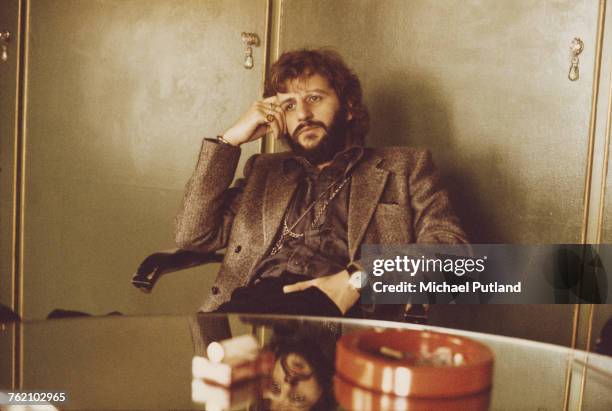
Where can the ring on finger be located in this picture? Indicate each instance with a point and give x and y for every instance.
(270, 118)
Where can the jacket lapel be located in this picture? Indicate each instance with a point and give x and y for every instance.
(367, 185)
(279, 190)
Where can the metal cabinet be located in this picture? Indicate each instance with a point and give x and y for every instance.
(117, 98)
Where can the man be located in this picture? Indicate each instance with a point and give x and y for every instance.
(294, 225)
(303, 371)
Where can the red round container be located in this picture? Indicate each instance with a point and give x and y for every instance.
(409, 363)
(352, 397)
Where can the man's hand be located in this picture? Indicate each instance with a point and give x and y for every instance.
(263, 117)
(335, 286)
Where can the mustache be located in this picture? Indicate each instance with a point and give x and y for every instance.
(309, 123)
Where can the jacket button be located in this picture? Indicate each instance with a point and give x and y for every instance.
(238, 249)
(215, 290)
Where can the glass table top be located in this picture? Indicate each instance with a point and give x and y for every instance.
(156, 363)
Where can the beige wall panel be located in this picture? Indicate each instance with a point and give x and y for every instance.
(8, 125)
(9, 20)
(606, 231)
(604, 186)
(606, 227)
(120, 94)
(484, 86)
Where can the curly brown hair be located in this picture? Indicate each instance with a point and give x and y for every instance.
(329, 64)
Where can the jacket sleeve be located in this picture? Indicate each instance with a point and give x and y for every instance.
(205, 219)
(435, 221)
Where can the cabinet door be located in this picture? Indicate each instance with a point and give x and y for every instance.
(606, 225)
(484, 85)
(119, 97)
(9, 21)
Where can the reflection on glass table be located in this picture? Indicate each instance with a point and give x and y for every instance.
(219, 362)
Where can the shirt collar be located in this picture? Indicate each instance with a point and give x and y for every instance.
(342, 163)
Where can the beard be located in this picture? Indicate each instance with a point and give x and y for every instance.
(332, 142)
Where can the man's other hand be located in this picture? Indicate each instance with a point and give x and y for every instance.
(263, 117)
(335, 286)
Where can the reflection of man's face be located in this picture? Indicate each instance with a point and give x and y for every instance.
(293, 385)
(313, 114)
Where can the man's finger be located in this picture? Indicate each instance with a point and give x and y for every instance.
(301, 286)
(271, 99)
(280, 119)
(270, 120)
(275, 128)
(275, 110)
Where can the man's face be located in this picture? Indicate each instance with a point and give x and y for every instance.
(293, 386)
(312, 112)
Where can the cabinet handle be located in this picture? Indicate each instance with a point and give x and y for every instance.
(575, 49)
(249, 40)
(5, 38)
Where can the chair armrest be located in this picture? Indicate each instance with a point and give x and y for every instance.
(164, 262)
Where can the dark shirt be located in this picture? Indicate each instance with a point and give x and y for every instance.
(323, 250)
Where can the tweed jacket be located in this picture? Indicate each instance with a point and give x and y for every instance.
(395, 198)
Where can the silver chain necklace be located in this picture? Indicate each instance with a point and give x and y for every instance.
(288, 231)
